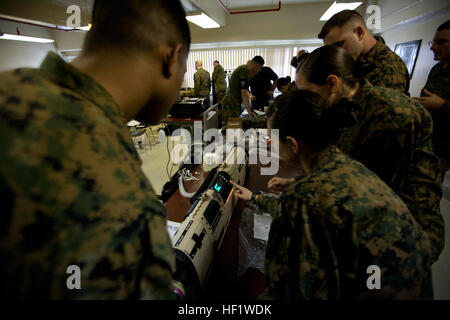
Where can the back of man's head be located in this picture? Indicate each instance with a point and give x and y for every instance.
(444, 26)
(259, 60)
(137, 26)
(341, 20)
(198, 64)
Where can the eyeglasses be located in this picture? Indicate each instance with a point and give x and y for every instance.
(438, 42)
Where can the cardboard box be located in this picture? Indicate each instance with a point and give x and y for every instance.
(235, 123)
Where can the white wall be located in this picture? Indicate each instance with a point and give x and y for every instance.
(17, 54)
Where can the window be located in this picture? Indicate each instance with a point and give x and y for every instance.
(279, 59)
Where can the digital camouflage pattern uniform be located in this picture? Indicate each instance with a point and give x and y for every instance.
(218, 78)
(202, 83)
(231, 104)
(73, 193)
(334, 223)
(389, 69)
(392, 137)
(439, 83)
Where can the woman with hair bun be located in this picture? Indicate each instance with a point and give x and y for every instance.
(338, 219)
(391, 136)
(283, 84)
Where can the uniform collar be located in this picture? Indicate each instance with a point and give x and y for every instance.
(364, 85)
(57, 70)
(370, 56)
(321, 161)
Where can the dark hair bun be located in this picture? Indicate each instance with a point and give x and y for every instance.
(305, 115)
(281, 82)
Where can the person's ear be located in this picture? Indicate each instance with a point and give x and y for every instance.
(359, 31)
(333, 82)
(171, 58)
(293, 145)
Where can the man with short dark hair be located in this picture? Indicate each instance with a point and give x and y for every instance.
(436, 95)
(385, 69)
(74, 196)
(262, 85)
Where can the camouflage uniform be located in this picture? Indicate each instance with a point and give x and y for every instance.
(218, 78)
(389, 69)
(73, 193)
(231, 104)
(392, 137)
(202, 83)
(439, 83)
(332, 225)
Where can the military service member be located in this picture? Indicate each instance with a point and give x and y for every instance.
(284, 84)
(238, 91)
(385, 69)
(262, 85)
(392, 135)
(73, 192)
(202, 81)
(436, 95)
(219, 82)
(337, 220)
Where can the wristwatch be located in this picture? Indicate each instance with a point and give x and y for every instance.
(254, 194)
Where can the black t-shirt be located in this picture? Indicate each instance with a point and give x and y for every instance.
(261, 83)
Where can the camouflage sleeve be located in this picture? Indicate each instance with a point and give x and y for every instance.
(279, 279)
(197, 84)
(267, 204)
(214, 75)
(423, 193)
(244, 74)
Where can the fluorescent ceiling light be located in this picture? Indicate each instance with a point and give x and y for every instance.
(338, 7)
(16, 37)
(202, 20)
(86, 28)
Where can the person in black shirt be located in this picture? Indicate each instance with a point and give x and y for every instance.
(262, 85)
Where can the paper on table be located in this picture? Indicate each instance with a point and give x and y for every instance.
(172, 228)
(261, 226)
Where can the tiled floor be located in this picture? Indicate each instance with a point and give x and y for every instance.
(154, 166)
